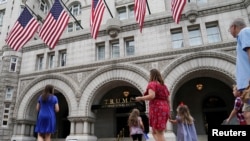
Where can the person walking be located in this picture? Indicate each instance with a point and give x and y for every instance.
(47, 106)
(237, 110)
(159, 110)
(136, 126)
(185, 124)
(239, 31)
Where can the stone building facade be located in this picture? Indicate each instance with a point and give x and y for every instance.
(95, 79)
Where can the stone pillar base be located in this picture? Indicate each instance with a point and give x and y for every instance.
(81, 138)
(22, 138)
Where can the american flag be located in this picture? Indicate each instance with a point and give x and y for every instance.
(22, 31)
(177, 8)
(97, 10)
(140, 10)
(54, 25)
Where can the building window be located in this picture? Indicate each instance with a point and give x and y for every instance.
(39, 62)
(51, 60)
(198, 1)
(213, 32)
(201, 1)
(131, 11)
(101, 52)
(122, 14)
(194, 35)
(62, 58)
(177, 38)
(43, 6)
(9, 93)
(6, 114)
(2, 12)
(115, 50)
(13, 64)
(74, 26)
(70, 27)
(125, 12)
(75, 9)
(130, 47)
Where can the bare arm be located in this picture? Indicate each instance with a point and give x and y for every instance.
(37, 106)
(248, 52)
(57, 107)
(174, 121)
(141, 124)
(233, 113)
(150, 96)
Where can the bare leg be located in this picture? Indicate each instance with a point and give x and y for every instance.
(40, 137)
(154, 134)
(47, 137)
(247, 117)
(160, 135)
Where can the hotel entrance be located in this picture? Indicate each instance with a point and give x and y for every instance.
(113, 111)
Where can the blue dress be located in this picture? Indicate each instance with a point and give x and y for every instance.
(185, 132)
(46, 120)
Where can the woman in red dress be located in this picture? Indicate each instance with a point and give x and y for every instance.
(159, 110)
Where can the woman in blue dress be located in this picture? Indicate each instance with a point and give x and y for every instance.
(185, 124)
(47, 106)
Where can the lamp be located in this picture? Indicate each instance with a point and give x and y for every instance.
(126, 93)
(199, 86)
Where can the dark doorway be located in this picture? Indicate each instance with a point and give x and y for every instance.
(209, 100)
(63, 124)
(113, 112)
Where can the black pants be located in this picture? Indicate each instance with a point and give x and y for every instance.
(137, 137)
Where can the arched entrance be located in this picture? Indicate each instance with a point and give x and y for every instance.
(210, 101)
(62, 123)
(113, 111)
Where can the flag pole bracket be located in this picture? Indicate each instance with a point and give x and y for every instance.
(113, 27)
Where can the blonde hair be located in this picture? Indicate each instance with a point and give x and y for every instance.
(184, 114)
(133, 118)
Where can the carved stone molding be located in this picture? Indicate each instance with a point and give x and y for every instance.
(191, 12)
(113, 27)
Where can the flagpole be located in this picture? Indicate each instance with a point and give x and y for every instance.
(31, 10)
(148, 7)
(71, 14)
(108, 9)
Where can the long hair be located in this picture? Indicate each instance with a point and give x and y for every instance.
(155, 75)
(184, 114)
(47, 91)
(133, 118)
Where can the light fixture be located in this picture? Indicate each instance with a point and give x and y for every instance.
(199, 86)
(126, 93)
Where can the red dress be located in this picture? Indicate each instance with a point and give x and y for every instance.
(158, 107)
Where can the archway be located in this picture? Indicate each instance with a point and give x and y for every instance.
(62, 123)
(113, 111)
(205, 97)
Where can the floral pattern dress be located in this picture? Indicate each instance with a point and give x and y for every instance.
(159, 108)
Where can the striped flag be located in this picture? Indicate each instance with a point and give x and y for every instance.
(97, 10)
(22, 31)
(54, 25)
(140, 11)
(177, 8)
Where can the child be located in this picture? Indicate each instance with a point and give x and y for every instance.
(185, 124)
(237, 110)
(136, 126)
